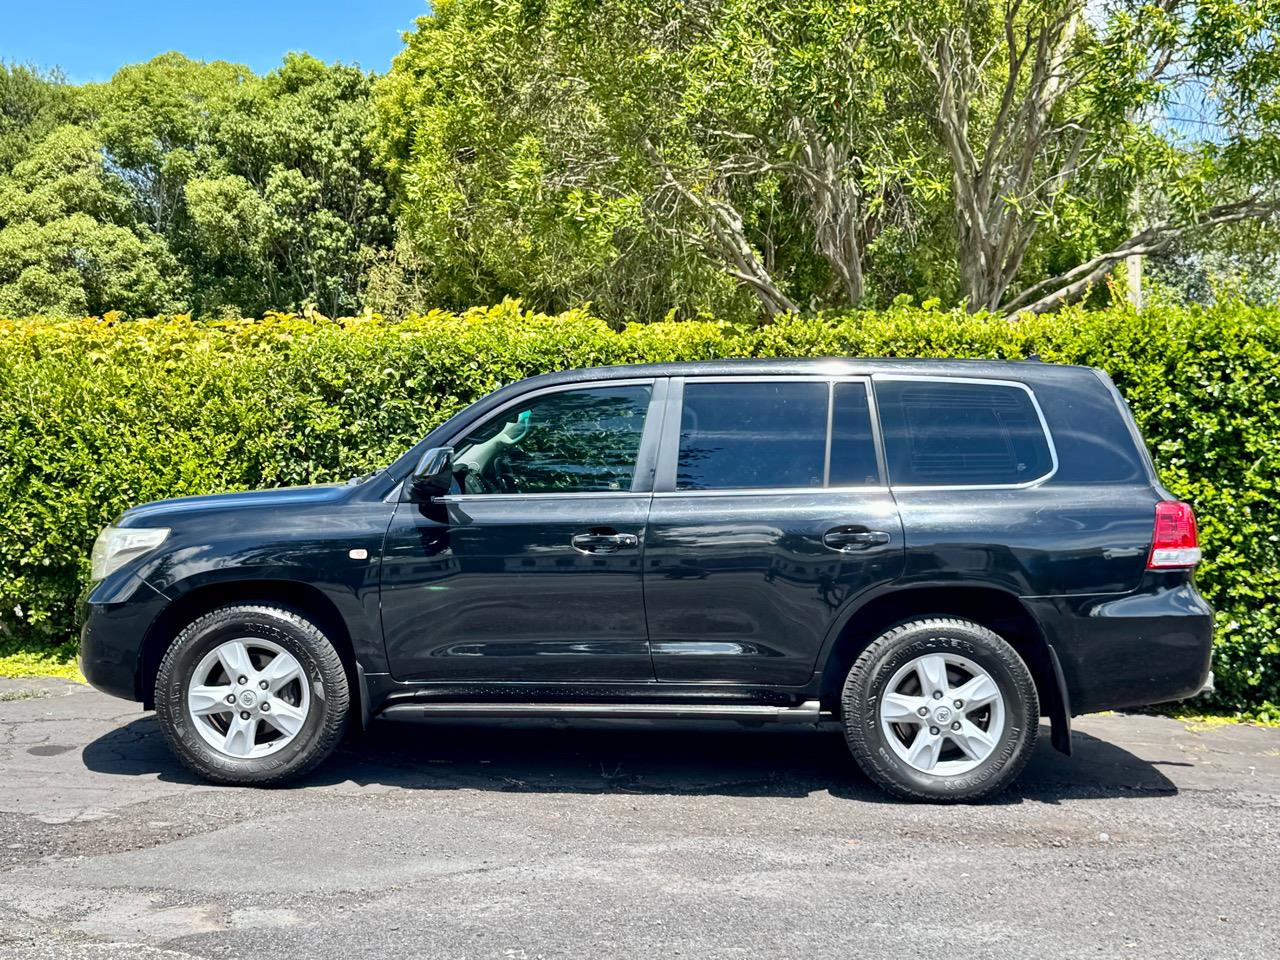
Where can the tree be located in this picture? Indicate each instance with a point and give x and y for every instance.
(152, 118)
(265, 187)
(1038, 105)
(32, 103)
(510, 182)
(1241, 263)
(69, 243)
(298, 139)
(824, 155)
(185, 184)
(545, 150)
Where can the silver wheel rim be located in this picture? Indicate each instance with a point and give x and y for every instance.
(248, 698)
(942, 714)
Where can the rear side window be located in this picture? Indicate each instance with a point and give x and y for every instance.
(752, 434)
(1092, 434)
(853, 447)
(945, 433)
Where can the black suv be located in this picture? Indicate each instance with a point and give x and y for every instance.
(933, 553)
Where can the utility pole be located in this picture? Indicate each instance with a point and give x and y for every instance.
(1133, 279)
(1133, 262)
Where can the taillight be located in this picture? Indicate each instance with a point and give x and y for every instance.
(1176, 543)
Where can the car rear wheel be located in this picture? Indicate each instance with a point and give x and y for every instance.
(941, 710)
(252, 694)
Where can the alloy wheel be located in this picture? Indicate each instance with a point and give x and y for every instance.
(942, 714)
(248, 697)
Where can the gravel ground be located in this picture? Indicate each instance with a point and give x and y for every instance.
(1156, 839)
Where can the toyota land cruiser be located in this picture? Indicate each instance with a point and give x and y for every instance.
(935, 554)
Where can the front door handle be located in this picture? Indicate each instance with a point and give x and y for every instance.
(604, 542)
(854, 538)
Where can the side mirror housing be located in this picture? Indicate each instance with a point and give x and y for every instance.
(433, 476)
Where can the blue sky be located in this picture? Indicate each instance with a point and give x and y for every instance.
(91, 40)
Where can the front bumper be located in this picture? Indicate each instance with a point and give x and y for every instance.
(114, 621)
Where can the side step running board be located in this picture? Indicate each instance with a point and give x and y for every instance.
(808, 712)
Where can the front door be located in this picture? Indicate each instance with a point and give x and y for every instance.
(769, 513)
(531, 570)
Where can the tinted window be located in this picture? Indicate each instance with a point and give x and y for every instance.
(752, 434)
(853, 449)
(937, 432)
(1091, 434)
(573, 441)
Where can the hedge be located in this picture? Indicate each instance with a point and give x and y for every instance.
(96, 415)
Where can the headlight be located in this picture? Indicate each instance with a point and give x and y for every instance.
(116, 546)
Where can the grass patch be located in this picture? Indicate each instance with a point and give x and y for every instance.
(1199, 717)
(22, 693)
(59, 661)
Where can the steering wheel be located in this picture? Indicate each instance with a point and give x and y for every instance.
(502, 479)
(474, 481)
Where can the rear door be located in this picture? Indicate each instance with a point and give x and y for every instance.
(770, 512)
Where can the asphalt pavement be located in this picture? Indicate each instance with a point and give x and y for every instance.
(1155, 839)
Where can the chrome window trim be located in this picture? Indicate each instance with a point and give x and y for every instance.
(766, 491)
(647, 438)
(985, 381)
(773, 378)
(567, 495)
(877, 435)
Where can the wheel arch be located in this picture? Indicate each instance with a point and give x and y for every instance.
(301, 598)
(997, 610)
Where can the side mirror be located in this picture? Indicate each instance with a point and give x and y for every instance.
(434, 474)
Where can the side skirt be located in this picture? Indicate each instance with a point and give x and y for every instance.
(809, 711)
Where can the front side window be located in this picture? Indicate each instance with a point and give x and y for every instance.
(752, 434)
(571, 441)
(940, 433)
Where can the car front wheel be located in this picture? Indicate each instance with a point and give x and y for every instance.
(251, 694)
(941, 710)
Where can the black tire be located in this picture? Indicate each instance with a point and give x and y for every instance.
(876, 667)
(323, 671)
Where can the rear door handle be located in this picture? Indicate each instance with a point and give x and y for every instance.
(854, 538)
(604, 542)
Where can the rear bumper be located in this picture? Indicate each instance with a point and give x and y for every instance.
(1147, 647)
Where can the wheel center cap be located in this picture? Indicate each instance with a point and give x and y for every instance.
(942, 715)
(248, 699)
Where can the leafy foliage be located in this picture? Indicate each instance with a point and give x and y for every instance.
(32, 103)
(183, 184)
(642, 155)
(645, 154)
(512, 181)
(663, 158)
(96, 416)
(69, 241)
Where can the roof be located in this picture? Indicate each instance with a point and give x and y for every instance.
(1030, 371)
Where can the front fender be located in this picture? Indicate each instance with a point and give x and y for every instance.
(349, 586)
